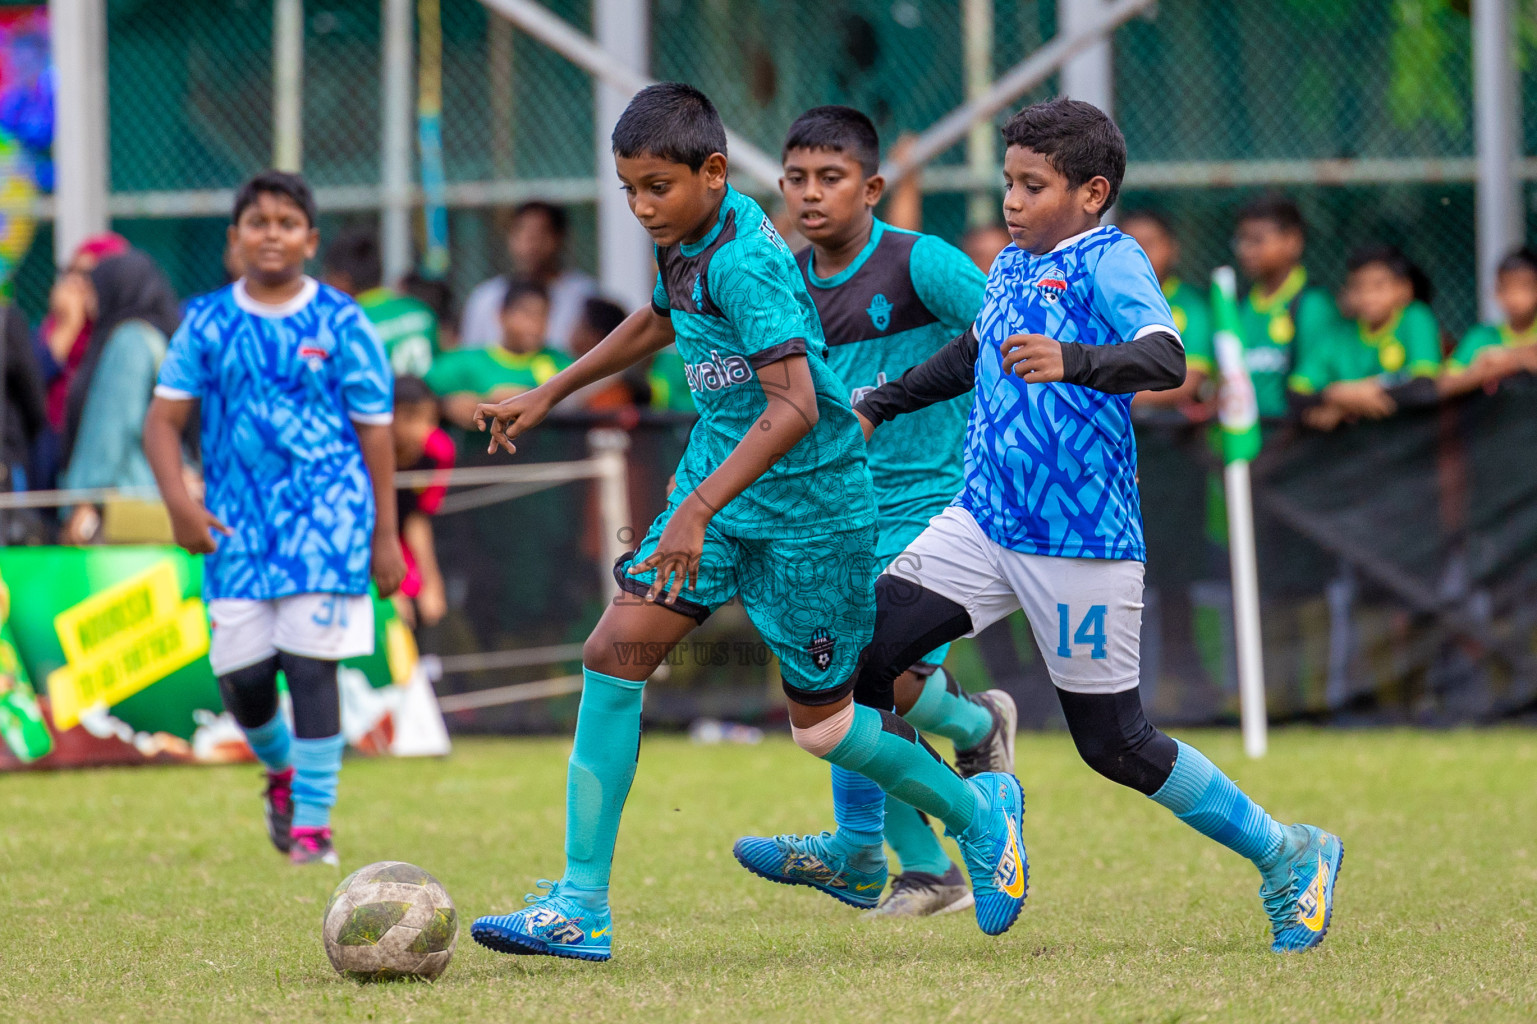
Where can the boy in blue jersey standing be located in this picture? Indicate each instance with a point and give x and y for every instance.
(299, 470)
(773, 504)
(888, 299)
(1048, 518)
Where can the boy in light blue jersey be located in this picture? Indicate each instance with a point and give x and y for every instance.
(773, 504)
(1048, 519)
(888, 299)
(299, 467)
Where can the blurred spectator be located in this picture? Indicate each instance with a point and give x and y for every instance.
(135, 312)
(669, 383)
(1489, 353)
(1384, 359)
(623, 392)
(438, 296)
(25, 417)
(1282, 315)
(522, 361)
(1192, 315)
(984, 242)
(536, 242)
(406, 326)
(420, 444)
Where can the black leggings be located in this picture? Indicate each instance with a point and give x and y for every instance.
(251, 694)
(1111, 733)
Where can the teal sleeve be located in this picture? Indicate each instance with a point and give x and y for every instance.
(1317, 320)
(112, 421)
(1421, 336)
(947, 282)
(1197, 336)
(659, 296)
(1314, 369)
(765, 300)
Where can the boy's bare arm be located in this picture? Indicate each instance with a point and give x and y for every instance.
(642, 333)
(190, 521)
(790, 416)
(378, 444)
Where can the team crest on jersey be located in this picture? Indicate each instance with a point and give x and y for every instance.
(821, 650)
(880, 312)
(715, 373)
(698, 290)
(314, 355)
(1052, 288)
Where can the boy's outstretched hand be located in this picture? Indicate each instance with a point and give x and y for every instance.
(1035, 358)
(191, 528)
(510, 417)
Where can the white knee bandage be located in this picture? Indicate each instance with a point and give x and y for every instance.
(821, 738)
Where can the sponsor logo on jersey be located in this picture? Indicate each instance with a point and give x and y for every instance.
(1051, 288)
(769, 232)
(716, 373)
(1267, 360)
(880, 312)
(821, 650)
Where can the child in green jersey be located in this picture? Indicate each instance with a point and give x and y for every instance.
(406, 326)
(1489, 353)
(1386, 358)
(468, 376)
(1192, 316)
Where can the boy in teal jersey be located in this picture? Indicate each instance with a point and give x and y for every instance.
(1385, 359)
(1489, 353)
(773, 504)
(1192, 315)
(888, 299)
(1283, 314)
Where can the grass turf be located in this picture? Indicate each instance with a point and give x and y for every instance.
(151, 894)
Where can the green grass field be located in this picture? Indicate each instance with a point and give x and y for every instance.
(151, 894)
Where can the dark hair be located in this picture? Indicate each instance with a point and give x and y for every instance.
(602, 315)
(1077, 139)
(521, 288)
(355, 252)
(276, 183)
(839, 129)
(670, 121)
(1151, 216)
(435, 292)
(554, 215)
(1275, 208)
(1392, 258)
(1524, 258)
(410, 390)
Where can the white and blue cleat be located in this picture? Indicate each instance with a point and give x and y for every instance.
(1299, 892)
(813, 861)
(995, 857)
(553, 924)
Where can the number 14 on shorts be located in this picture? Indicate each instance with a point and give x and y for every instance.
(1090, 631)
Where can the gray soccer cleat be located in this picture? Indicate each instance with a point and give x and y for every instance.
(996, 751)
(920, 894)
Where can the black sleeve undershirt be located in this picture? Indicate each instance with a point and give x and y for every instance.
(948, 373)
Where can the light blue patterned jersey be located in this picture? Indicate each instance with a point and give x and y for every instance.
(903, 298)
(1051, 469)
(738, 304)
(280, 389)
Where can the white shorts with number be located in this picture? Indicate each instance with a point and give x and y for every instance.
(326, 626)
(1086, 613)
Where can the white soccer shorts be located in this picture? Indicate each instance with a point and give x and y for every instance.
(1086, 613)
(326, 626)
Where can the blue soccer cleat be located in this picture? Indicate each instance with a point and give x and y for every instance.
(995, 858)
(553, 924)
(1299, 892)
(813, 861)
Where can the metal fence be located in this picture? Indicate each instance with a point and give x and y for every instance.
(1363, 109)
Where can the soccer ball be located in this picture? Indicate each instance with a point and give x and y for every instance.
(390, 920)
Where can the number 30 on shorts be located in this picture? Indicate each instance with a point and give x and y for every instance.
(1091, 630)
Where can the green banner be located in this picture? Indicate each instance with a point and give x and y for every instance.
(1238, 408)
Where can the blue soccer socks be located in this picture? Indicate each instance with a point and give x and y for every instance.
(598, 779)
(859, 808)
(271, 743)
(316, 766)
(1209, 802)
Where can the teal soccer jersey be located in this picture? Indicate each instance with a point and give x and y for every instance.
(737, 304)
(903, 298)
(797, 546)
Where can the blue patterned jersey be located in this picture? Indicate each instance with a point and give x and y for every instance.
(903, 298)
(738, 304)
(1051, 469)
(280, 388)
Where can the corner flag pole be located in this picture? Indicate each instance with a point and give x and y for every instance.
(1240, 443)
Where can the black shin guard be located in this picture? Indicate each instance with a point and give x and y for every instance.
(312, 687)
(1115, 738)
(251, 693)
(909, 623)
